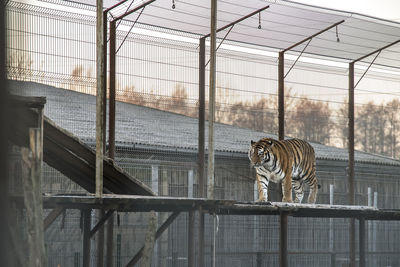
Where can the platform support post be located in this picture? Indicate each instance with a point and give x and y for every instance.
(283, 239)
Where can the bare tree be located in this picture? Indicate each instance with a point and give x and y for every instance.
(311, 121)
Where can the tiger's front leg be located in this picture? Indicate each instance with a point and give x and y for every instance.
(262, 186)
(287, 188)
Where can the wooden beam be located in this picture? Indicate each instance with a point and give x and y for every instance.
(159, 232)
(52, 216)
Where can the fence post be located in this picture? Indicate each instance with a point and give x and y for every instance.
(331, 236)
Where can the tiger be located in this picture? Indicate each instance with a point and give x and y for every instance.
(291, 162)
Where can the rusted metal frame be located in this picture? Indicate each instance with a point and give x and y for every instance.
(202, 100)
(380, 49)
(294, 63)
(351, 162)
(134, 9)
(101, 223)
(283, 240)
(239, 20)
(111, 117)
(52, 216)
(191, 239)
(86, 237)
(220, 43)
(231, 27)
(362, 241)
(365, 72)
(281, 95)
(116, 5)
(133, 25)
(312, 36)
(159, 232)
(110, 241)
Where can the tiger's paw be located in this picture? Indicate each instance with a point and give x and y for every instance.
(287, 200)
(263, 202)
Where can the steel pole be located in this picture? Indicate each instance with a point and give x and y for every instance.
(362, 240)
(352, 236)
(202, 100)
(283, 239)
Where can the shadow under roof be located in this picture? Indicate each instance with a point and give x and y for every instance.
(283, 24)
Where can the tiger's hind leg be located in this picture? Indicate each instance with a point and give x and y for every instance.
(262, 186)
(298, 190)
(313, 183)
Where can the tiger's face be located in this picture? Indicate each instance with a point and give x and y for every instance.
(260, 152)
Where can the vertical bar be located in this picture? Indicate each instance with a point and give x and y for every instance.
(111, 118)
(100, 241)
(111, 136)
(331, 234)
(110, 241)
(191, 239)
(201, 152)
(214, 241)
(154, 178)
(369, 196)
(362, 240)
(201, 237)
(99, 100)
(105, 79)
(281, 107)
(281, 96)
(283, 237)
(86, 237)
(190, 183)
(211, 109)
(351, 163)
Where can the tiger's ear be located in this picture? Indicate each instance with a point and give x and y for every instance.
(269, 142)
(252, 142)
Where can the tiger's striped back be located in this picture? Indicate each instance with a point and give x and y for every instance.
(291, 161)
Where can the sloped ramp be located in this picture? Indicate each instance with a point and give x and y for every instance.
(72, 157)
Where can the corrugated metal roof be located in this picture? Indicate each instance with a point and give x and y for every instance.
(138, 125)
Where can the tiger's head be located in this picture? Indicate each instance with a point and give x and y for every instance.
(260, 152)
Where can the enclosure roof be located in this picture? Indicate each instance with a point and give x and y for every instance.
(146, 128)
(283, 24)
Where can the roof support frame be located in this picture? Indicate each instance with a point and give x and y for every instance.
(281, 78)
(231, 25)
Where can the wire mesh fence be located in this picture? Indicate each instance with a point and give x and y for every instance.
(51, 52)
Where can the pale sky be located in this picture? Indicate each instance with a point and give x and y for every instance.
(385, 9)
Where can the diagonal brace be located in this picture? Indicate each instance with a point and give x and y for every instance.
(365, 72)
(159, 232)
(52, 216)
(101, 222)
(294, 63)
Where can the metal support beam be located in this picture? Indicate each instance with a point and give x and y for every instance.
(312, 36)
(159, 232)
(52, 216)
(99, 99)
(362, 241)
(101, 222)
(202, 100)
(201, 237)
(230, 25)
(283, 239)
(239, 20)
(86, 237)
(191, 239)
(352, 237)
(281, 96)
(211, 109)
(133, 10)
(376, 51)
(111, 115)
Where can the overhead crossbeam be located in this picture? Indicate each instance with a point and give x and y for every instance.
(133, 10)
(312, 36)
(238, 20)
(378, 51)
